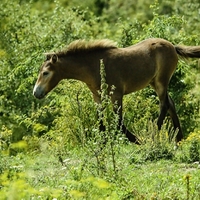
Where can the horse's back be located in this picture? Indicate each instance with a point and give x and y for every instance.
(136, 66)
(151, 44)
(155, 51)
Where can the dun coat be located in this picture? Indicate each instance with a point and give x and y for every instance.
(152, 61)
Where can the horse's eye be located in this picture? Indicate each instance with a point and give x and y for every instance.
(45, 73)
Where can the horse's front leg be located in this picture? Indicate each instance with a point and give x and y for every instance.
(118, 110)
(117, 102)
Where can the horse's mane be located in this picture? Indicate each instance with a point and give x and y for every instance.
(80, 46)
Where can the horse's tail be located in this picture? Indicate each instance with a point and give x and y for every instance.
(188, 51)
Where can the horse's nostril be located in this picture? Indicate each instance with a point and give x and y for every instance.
(34, 93)
(38, 93)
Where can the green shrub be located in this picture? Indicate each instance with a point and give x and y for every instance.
(67, 110)
(189, 148)
(156, 145)
(22, 57)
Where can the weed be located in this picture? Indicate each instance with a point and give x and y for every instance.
(187, 179)
(156, 144)
(104, 144)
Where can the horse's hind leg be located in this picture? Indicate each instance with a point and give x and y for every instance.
(168, 105)
(164, 105)
(163, 111)
(175, 120)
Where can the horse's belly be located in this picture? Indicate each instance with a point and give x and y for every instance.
(129, 89)
(136, 84)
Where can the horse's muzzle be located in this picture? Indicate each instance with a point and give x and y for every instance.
(39, 92)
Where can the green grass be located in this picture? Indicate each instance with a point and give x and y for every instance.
(74, 174)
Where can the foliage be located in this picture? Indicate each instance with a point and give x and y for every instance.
(65, 174)
(46, 32)
(190, 148)
(156, 144)
(53, 149)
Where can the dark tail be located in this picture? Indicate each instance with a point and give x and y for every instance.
(188, 51)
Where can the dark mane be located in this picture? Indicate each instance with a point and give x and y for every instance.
(80, 46)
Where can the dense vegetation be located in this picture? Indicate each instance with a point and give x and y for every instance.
(38, 135)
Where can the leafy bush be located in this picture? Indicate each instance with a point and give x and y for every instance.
(28, 32)
(18, 77)
(190, 148)
(156, 145)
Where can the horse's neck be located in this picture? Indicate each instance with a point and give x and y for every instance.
(84, 68)
(75, 68)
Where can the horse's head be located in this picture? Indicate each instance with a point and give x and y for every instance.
(48, 76)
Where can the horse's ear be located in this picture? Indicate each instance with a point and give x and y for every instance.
(54, 58)
(48, 56)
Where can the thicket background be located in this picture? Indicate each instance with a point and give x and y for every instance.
(28, 29)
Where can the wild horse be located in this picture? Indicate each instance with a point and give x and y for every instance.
(152, 61)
